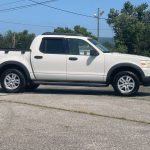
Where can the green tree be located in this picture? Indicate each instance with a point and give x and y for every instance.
(6, 40)
(109, 46)
(132, 28)
(23, 39)
(81, 30)
(77, 30)
(63, 30)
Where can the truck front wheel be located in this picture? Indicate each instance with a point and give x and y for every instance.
(126, 83)
(13, 81)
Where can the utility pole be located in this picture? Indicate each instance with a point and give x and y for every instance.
(97, 16)
(98, 19)
(14, 40)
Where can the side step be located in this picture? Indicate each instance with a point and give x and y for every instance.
(89, 84)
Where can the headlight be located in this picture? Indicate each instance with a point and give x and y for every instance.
(145, 63)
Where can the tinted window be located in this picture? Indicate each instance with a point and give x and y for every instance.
(79, 47)
(52, 46)
(99, 46)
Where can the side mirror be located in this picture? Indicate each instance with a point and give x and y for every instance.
(94, 53)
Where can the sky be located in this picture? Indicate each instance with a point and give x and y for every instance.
(48, 18)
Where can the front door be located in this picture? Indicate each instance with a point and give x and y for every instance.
(82, 62)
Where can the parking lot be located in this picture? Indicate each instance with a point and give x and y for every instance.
(74, 118)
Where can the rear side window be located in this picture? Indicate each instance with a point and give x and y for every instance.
(53, 46)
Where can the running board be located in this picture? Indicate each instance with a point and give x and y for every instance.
(89, 84)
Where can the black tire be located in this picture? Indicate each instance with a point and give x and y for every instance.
(130, 87)
(19, 87)
(31, 86)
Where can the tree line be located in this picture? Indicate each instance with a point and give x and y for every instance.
(20, 40)
(131, 26)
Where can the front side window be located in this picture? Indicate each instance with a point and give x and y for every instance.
(52, 46)
(79, 47)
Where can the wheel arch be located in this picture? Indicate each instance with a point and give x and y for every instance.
(15, 65)
(125, 67)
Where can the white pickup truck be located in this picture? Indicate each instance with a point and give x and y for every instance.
(71, 60)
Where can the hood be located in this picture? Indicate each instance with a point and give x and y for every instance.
(131, 56)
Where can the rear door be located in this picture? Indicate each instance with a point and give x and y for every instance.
(84, 63)
(49, 62)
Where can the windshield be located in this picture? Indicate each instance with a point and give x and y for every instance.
(99, 46)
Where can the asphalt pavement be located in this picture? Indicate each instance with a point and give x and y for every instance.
(74, 118)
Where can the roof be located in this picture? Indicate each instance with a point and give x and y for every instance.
(55, 33)
(62, 35)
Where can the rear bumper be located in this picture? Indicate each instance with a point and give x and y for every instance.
(146, 81)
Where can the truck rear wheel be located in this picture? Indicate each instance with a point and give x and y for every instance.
(13, 81)
(126, 83)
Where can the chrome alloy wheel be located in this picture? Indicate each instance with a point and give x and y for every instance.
(12, 81)
(126, 84)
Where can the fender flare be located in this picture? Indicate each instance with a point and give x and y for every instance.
(23, 67)
(132, 66)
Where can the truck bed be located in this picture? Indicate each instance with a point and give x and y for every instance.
(6, 50)
(17, 56)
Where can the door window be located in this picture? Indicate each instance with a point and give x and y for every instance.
(79, 47)
(52, 46)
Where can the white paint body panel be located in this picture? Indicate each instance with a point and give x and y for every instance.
(112, 59)
(50, 67)
(16, 56)
(86, 68)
